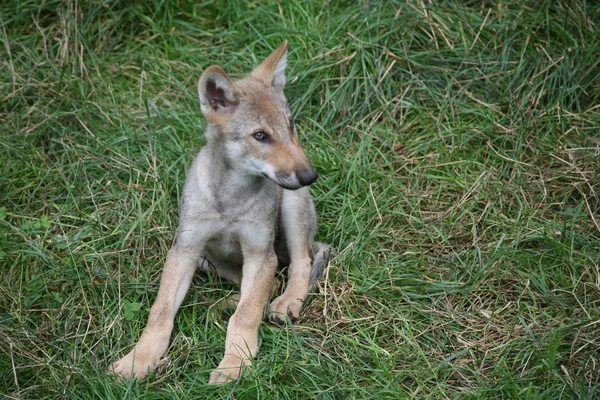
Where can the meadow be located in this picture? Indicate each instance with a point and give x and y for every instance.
(458, 148)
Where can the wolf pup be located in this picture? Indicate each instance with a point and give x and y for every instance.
(245, 207)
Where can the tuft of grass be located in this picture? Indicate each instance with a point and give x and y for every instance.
(459, 156)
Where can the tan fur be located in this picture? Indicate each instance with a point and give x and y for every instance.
(245, 207)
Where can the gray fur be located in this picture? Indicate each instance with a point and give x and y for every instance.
(237, 213)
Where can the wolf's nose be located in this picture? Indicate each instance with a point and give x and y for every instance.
(307, 177)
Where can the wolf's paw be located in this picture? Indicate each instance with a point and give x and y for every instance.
(283, 306)
(136, 364)
(229, 369)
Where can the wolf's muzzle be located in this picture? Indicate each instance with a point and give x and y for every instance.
(307, 177)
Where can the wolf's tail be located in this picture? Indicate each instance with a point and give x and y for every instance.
(321, 253)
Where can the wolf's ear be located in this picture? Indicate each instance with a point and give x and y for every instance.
(272, 70)
(218, 94)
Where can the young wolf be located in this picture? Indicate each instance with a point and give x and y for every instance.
(245, 207)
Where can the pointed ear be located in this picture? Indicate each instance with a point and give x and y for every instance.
(218, 94)
(272, 70)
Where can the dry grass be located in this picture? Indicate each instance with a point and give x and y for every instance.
(459, 156)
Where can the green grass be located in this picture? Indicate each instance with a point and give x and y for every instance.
(458, 147)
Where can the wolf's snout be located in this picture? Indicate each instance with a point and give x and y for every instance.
(307, 177)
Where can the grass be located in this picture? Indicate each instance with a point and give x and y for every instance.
(459, 155)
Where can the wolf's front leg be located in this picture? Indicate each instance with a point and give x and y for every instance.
(299, 221)
(291, 301)
(174, 283)
(241, 343)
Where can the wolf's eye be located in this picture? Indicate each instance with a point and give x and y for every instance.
(261, 136)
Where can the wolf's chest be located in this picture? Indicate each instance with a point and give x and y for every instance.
(225, 245)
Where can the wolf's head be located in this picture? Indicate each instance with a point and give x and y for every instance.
(252, 121)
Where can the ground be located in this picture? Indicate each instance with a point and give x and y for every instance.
(458, 149)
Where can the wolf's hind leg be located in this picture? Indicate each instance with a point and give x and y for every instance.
(320, 255)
